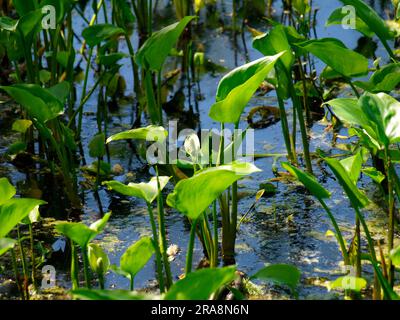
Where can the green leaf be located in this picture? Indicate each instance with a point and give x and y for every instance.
(274, 42)
(61, 6)
(335, 54)
(155, 50)
(395, 256)
(40, 103)
(374, 174)
(308, 180)
(348, 111)
(385, 79)
(80, 233)
(353, 165)
(348, 283)
(21, 125)
(201, 284)
(98, 259)
(77, 232)
(136, 256)
(281, 274)
(23, 7)
(146, 191)
(337, 16)
(383, 113)
(97, 146)
(193, 195)
(7, 190)
(14, 211)
(6, 244)
(88, 294)
(150, 133)
(237, 88)
(356, 197)
(370, 18)
(111, 59)
(97, 33)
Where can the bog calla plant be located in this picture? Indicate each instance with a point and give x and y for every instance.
(81, 235)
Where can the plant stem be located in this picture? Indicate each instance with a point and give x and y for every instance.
(189, 254)
(157, 248)
(16, 272)
(33, 259)
(86, 267)
(163, 238)
(339, 236)
(74, 269)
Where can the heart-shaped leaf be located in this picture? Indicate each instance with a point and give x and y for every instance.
(193, 195)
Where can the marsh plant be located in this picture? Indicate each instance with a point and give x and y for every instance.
(65, 89)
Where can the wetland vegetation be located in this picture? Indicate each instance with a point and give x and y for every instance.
(205, 149)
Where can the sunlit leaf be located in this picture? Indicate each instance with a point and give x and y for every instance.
(356, 197)
(6, 244)
(14, 211)
(88, 294)
(137, 256)
(335, 54)
(348, 283)
(201, 284)
(237, 88)
(309, 181)
(7, 190)
(146, 191)
(193, 195)
(282, 274)
(155, 50)
(150, 133)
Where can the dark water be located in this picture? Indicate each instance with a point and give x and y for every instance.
(287, 228)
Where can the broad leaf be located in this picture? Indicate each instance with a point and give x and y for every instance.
(353, 165)
(97, 33)
(356, 197)
(146, 191)
(383, 113)
(395, 256)
(374, 174)
(335, 54)
(150, 133)
(237, 88)
(136, 256)
(282, 274)
(80, 233)
(156, 49)
(201, 284)
(97, 146)
(385, 79)
(14, 211)
(6, 244)
(308, 180)
(348, 283)
(7, 190)
(88, 294)
(337, 17)
(40, 103)
(370, 18)
(193, 195)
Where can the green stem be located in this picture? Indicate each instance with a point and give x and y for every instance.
(163, 238)
(189, 254)
(86, 267)
(339, 236)
(74, 269)
(16, 272)
(157, 248)
(214, 261)
(33, 264)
